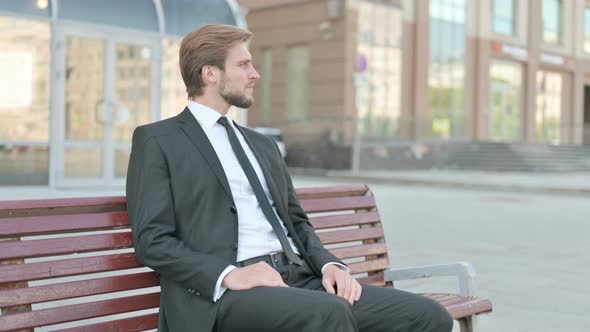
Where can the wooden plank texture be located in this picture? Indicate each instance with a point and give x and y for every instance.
(133, 324)
(343, 220)
(63, 246)
(66, 267)
(62, 223)
(72, 289)
(351, 235)
(76, 312)
(330, 192)
(379, 264)
(360, 250)
(337, 204)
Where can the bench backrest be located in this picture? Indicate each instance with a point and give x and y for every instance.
(71, 260)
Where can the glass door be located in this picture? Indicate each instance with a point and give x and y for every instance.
(107, 88)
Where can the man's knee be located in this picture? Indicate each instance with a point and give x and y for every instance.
(337, 315)
(436, 318)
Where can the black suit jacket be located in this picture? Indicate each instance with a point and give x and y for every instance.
(184, 220)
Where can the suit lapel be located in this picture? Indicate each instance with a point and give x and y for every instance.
(274, 192)
(191, 127)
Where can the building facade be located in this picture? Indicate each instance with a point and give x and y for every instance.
(79, 75)
(341, 76)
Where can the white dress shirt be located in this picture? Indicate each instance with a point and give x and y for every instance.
(256, 236)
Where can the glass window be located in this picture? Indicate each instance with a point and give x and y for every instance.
(297, 82)
(505, 112)
(133, 14)
(446, 69)
(182, 16)
(41, 8)
(548, 111)
(24, 101)
(133, 91)
(380, 44)
(552, 21)
(266, 87)
(503, 17)
(587, 29)
(85, 109)
(174, 96)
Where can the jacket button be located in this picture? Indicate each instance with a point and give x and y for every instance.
(234, 246)
(233, 209)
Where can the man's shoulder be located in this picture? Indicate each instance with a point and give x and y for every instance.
(160, 128)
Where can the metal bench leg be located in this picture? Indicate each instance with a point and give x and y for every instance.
(466, 324)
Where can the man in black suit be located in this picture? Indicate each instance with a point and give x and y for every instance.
(214, 212)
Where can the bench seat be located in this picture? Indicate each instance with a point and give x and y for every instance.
(68, 264)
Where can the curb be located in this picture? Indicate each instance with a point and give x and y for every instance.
(556, 190)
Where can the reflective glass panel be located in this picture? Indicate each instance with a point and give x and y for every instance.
(24, 86)
(503, 16)
(182, 16)
(24, 165)
(121, 162)
(265, 87)
(85, 104)
(133, 14)
(133, 90)
(552, 21)
(587, 29)
(446, 70)
(504, 120)
(174, 97)
(297, 82)
(82, 162)
(379, 48)
(40, 8)
(548, 111)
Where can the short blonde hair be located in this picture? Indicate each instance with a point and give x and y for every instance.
(206, 45)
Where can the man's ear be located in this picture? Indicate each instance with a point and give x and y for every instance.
(210, 74)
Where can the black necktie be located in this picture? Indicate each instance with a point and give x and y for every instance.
(259, 192)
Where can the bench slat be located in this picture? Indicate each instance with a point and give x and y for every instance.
(133, 324)
(359, 251)
(335, 191)
(369, 266)
(349, 235)
(66, 245)
(62, 223)
(462, 306)
(338, 204)
(473, 307)
(66, 267)
(68, 290)
(343, 220)
(54, 203)
(76, 312)
(375, 280)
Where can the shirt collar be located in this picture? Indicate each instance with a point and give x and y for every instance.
(206, 116)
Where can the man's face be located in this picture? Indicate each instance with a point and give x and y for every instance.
(236, 85)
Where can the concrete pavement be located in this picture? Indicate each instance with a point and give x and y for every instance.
(550, 183)
(553, 183)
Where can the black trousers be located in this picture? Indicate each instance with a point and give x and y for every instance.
(306, 306)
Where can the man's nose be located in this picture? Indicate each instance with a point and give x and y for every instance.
(254, 74)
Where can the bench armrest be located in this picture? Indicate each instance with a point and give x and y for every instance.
(464, 271)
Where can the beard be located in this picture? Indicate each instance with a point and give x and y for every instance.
(233, 98)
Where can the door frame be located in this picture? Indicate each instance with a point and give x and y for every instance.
(111, 37)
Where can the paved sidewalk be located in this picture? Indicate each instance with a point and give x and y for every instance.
(556, 183)
(553, 183)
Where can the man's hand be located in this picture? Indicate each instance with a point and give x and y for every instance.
(346, 286)
(255, 275)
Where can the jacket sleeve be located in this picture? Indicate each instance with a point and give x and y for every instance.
(151, 214)
(305, 232)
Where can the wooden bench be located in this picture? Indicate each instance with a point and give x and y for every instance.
(71, 261)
